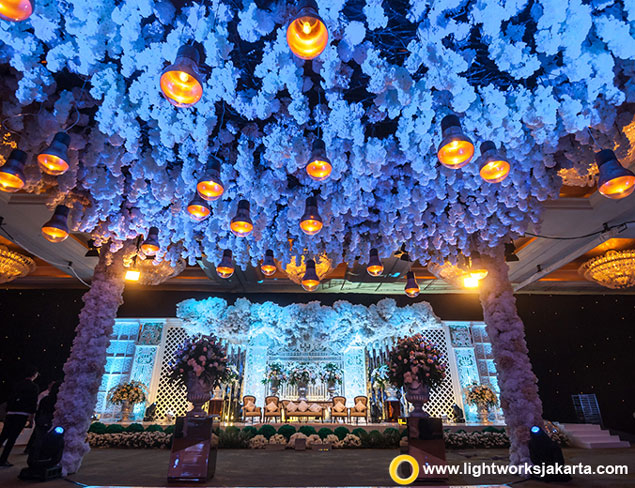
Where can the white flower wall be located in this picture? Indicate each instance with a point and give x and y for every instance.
(531, 76)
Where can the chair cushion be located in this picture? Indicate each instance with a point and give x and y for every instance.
(271, 407)
(291, 407)
(303, 406)
(339, 407)
(360, 406)
(315, 408)
(251, 406)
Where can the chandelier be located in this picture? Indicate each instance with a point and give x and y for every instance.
(615, 269)
(154, 273)
(323, 266)
(14, 265)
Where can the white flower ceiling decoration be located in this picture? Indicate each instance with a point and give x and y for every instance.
(530, 76)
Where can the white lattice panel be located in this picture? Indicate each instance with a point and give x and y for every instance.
(441, 397)
(169, 398)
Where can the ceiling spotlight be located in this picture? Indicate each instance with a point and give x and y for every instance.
(198, 209)
(182, 82)
(56, 229)
(310, 280)
(307, 35)
(54, 159)
(412, 288)
(16, 10)
(241, 225)
(132, 274)
(225, 269)
(12, 172)
(93, 252)
(615, 181)
(374, 268)
(319, 167)
(494, 168)
(477, 270)
(210, 187)
(311, 222)
(268, 266)
(456, 149)
(470, 281)
(150, 246)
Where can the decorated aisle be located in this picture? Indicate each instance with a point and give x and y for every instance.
(518, 389)
(85, 366)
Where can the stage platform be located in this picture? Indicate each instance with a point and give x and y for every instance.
(453, 427)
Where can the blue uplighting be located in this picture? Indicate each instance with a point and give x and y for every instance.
(59, 430)
(535, 429)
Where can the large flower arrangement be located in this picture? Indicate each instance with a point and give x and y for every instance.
(480, 395)
(379, 377)
(276, 372)
(331, 373)
(132, 392)
(202, 357)
(301, 373)
(416, 359)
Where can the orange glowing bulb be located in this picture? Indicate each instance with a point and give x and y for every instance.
(11, 172)
(307, 35)
(494, 168)
(241, 229)
(311, 227)
(455, 150)
(181, 82)
(56, 229)
(15, 10)
(209, 190)
(198, 210)
(319, 170)
(132, 275)
(53, 234)
(617, 188)
(54, 160)
(470, 282)
(614, 180)
(310, 285)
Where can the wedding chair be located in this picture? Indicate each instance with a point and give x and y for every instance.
(273, 408)
(340, 412)
(250, 410)
(359, 409)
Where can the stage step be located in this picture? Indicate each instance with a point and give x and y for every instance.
(591, 436)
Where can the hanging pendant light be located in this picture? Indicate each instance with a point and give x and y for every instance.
(319, 167)
(307, 35)
(456, 149)
(150, 246)
(374, 268)
(615, 181)
(210, 187)
(310, 280)
(268, 266)
(470, 281)
(225, 269)
(198, 209)
(241, 225)
(494, 168)
(477, 270)
(16, 10)
(412, 288)
(56, 229)
(311, 222)
(54, 160)
(12, 172)
(182, 82)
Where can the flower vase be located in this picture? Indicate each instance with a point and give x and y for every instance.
(274, 386)
(331, 389)
(126, 410)
(198, 394)
(417, 394)
(302, 391)
(483, 414)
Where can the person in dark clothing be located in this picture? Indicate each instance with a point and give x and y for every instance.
(43, 417)
(21, 408)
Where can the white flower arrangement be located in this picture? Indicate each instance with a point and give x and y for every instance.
(351, 440)
(278, 439)
(258, 442)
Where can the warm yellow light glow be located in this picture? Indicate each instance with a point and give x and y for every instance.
(495, 171)
(456, 153)
(15, 10)
(268, 269)
(412, 292)
(51, 164)
(470, 281)
(224, 271)
(307, 37)
(310, 285)
(319, 170)
(198, 212)
(209, 190)
(375, 270)
(132, 275)
(53, 234)
(478, 274)
(241, 228)
(10, 182)
(310, 226)
(181, 88)
(149, 249)
(14, 265)
(619, 187)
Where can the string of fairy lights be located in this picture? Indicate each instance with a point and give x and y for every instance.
(182, 85)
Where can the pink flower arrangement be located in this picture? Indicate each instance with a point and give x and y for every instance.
(202, 357)
(416, 359)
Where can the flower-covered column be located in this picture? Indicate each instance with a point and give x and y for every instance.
(518, 389)
(84, 367)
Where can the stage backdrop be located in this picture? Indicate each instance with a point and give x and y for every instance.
(356, 337)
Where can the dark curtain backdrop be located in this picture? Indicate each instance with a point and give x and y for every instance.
(577, 343)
